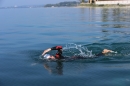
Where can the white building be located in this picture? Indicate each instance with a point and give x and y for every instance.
(98, 2)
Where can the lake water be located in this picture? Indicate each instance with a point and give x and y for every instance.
(25, 33)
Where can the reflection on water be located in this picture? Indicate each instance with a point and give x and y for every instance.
(110, 17)
(55, 68)
(116, 17)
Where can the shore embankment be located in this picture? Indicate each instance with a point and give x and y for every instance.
(102, 5)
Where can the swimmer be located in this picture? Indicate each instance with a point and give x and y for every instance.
(58, 55)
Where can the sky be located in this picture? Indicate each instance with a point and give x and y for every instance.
(6, 3)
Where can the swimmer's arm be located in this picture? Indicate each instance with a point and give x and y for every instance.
(45, 51)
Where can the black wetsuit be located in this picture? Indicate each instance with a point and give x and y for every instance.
(82, 57)
(99, 54)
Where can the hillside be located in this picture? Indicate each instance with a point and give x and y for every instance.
(63, 4)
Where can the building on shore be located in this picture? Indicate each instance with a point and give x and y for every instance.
(111, 2)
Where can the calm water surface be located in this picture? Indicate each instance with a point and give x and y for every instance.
(25, 33)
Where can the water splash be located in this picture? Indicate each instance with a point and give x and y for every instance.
(78, 50)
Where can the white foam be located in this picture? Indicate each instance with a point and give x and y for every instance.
(81, 50)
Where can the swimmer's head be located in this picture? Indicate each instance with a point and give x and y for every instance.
(47, 56)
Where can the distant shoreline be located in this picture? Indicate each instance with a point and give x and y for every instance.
(78, 4)
(68, 4)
